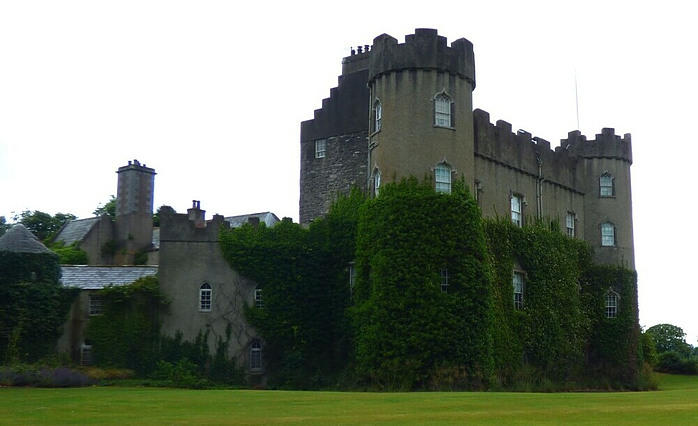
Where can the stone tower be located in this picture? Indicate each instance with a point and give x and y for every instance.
(134, 211)
(421, 109)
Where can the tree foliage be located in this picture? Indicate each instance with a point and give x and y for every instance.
(669, 338)
(43, 225)
(108, 208)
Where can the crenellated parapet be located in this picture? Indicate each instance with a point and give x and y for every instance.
(605, 145)
(425, 50)
(189, 227)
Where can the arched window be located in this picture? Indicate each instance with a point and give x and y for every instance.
(443, 114)
(442, 173)
(606, 187)
(205, 294)
(377, 115)
(376, 182)
(258, 301)
(608, 234)
(256, 355)
(611, 304)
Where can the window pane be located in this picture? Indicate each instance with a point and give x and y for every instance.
(442, 111)
(516, 215)
(443, 178)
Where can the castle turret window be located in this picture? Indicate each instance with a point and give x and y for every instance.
(608, 234)
(570, 220)
(205, 293)
(255, 356)
(517, 209)
(377, 116)
(320, 146)
(258, 301)
(611, 304)
(443, 116)
(442, 174)
(606, 188)
(518, 282)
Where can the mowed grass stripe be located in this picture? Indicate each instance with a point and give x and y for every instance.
(675, 403)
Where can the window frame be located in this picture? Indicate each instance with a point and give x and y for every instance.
(517, 215)
(377, 116)
(611, 304)
(570, 224)
(607, 186)
(608, 234)
(445, 171)
(205, 297)
(320, 148)
(443, 110)
(258, 300)
(444, 280)
(95, 305)
(519, 285)
(376, 182)
(255, 360)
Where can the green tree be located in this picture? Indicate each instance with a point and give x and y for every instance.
(4, 226)
(109, 208)
(669, 338)
(43, 225)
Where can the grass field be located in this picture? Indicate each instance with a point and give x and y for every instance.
(675, 403)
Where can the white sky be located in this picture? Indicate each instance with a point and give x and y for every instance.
(211, 95)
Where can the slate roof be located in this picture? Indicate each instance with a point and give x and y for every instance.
(20, 240)
(75, 230)
(268, 218)
(98, 277)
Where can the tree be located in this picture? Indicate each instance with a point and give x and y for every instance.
(4, 226)
(669, 338)
(43, 225)
(109, 208)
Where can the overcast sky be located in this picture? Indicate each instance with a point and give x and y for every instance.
(211, 95)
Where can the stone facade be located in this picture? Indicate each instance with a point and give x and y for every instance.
(406, 91)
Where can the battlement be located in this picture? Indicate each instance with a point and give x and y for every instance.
(606, 145)
(424, 49)
(136, 165)
(189, 227)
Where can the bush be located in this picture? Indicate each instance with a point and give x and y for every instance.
(672, 362)
(41, 376)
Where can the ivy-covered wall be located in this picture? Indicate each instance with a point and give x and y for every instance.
(432, 304)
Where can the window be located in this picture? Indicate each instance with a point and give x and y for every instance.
(569, 222)
(320, 145)
(442, 110)
(377, 116)
(606, 185)
(352, 278)
(608, 234)
(96, 306)
(442, 173)
(205, 297)
(611, 304)
(258, 302)
(517, 210)
(518, 282)
(376, 182)
(255, 356)
(444, 280)
(86, 353)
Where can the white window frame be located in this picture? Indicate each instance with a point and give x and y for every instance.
(611, 304)
(570, 222)
(352, 278)
(444, 280)
(606, 185)
(442, 176)
(205, 297)
(256, 355)
(443, 115)
(258, 301)
(518, 281)
(376, 182)
(608, 234)
(320, 148)
(517, 203)
(86, 354)
(95, 305)
(377, 116)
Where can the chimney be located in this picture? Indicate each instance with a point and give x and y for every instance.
(197, 215)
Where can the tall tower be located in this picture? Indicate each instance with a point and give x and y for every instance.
(421, 118)
(134, 211)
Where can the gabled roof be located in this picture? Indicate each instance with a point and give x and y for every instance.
(20, 240)
(268, 218)
(75, 230)
(98, 277)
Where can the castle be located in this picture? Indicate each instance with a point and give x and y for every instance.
(405, 109)
(399, 110)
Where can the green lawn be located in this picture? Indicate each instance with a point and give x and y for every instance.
(675, 403)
